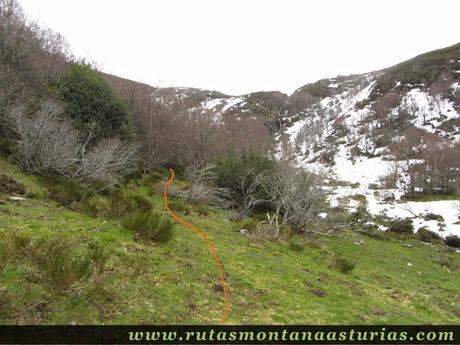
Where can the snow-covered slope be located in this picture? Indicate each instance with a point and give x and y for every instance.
(348, 123)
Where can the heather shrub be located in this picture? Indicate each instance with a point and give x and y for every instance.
(401, 226)
(61, 263)
(341, 263)
(150, 226)
(452, 241)
(426, 235)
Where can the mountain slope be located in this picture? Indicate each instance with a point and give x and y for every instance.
(175, 282)
(349, 124)
(343, 127)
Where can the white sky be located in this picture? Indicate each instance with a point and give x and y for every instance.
(240, 46)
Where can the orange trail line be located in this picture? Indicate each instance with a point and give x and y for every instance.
(204, 237)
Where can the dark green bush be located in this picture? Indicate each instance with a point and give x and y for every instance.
(426, 235)
(92, 104)
(401, 226)
(9, 185)
(64, 190)
(150, 226)
(117, 204)
(432, 216)
(452, 241)
(178, 205)
(6, 147)
(343, 264)
(238, 172)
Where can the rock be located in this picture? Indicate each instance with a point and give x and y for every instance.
(359, 242)
(409, 264)
(244, 232)
(17, 198)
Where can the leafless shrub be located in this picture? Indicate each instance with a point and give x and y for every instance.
(107, 161)
(430, 163)
(249, 186)
(296, 196)
(47, 143)
(202, 189)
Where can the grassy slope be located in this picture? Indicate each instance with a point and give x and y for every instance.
(268, 282)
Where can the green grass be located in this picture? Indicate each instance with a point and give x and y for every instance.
(269, 282)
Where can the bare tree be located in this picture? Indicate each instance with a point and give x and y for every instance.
(431, 164)
(47, 144)
(202, 186)
(106, 162)
(296, 197)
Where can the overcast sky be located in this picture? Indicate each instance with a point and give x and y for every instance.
(240, 46)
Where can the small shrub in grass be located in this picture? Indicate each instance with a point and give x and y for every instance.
(425, 235)
(249, 224)
(452, 241)
(202, 210)
(401, 226)
(233, 216)
(65, 191)
(177, 205)
(22, 242)
(97, 206)
(116, 205)
(99, 256)
(13, 244)
(150, 226)
(343, 264)
(295, 245)
(6, 251)
(61, 263)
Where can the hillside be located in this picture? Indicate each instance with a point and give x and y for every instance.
(353, 121)
(337, 204)
(344, 127)
(269, 282)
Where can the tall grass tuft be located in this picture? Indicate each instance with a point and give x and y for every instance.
(150, 226)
